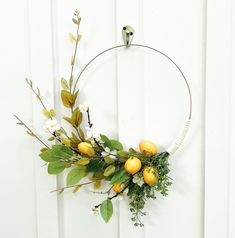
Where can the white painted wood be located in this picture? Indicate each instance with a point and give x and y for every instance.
(180, 34)
(41, 72)
(231, 194)
(218, 146)
(17, 197)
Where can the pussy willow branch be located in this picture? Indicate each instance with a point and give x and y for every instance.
(33, 134)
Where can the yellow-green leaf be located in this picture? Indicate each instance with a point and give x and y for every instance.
(109, 170)
(77, 117)
(72, 38)
(66, 141)
(97, 184)
(81, 133)
(83, 161)
(52, 113)
(46, 113)
(72, 60)
(64, 84)
(71, 82)
(67, 98)
(77, 188)
(109, 160)
(79, 37)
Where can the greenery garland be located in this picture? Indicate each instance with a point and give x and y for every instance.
(98, 160)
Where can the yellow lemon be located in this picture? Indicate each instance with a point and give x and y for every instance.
(86, 149)
(148, 148)
(132, 165)
(117, 187)
(150, 175)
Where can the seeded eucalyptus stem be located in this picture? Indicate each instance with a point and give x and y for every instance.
(20, 122)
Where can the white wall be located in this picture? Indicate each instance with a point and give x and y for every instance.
(133, 94)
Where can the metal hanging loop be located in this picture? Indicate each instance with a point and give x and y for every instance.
(128, 35)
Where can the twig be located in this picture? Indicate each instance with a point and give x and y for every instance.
(33, 134)
(114, 196)
(72, 186)
(29, 82)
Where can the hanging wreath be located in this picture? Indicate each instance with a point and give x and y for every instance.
(97, 159)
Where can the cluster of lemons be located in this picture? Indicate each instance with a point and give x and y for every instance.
(132, 165)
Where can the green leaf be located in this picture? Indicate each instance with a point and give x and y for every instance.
(75, 175)
(106, 210)
(109, 170)
(64, 84)
(116, 145)
(119, 176)
(56, 167)
(56, 153)
(67, 98)
(95, 165)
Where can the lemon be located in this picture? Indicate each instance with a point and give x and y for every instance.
(132, 165)
(117, 187)
(86, 149)
(148, 148)
(150, 175)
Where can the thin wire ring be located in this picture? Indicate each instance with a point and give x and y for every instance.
(147, 47)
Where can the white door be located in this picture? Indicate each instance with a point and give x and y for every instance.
(133, 94)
